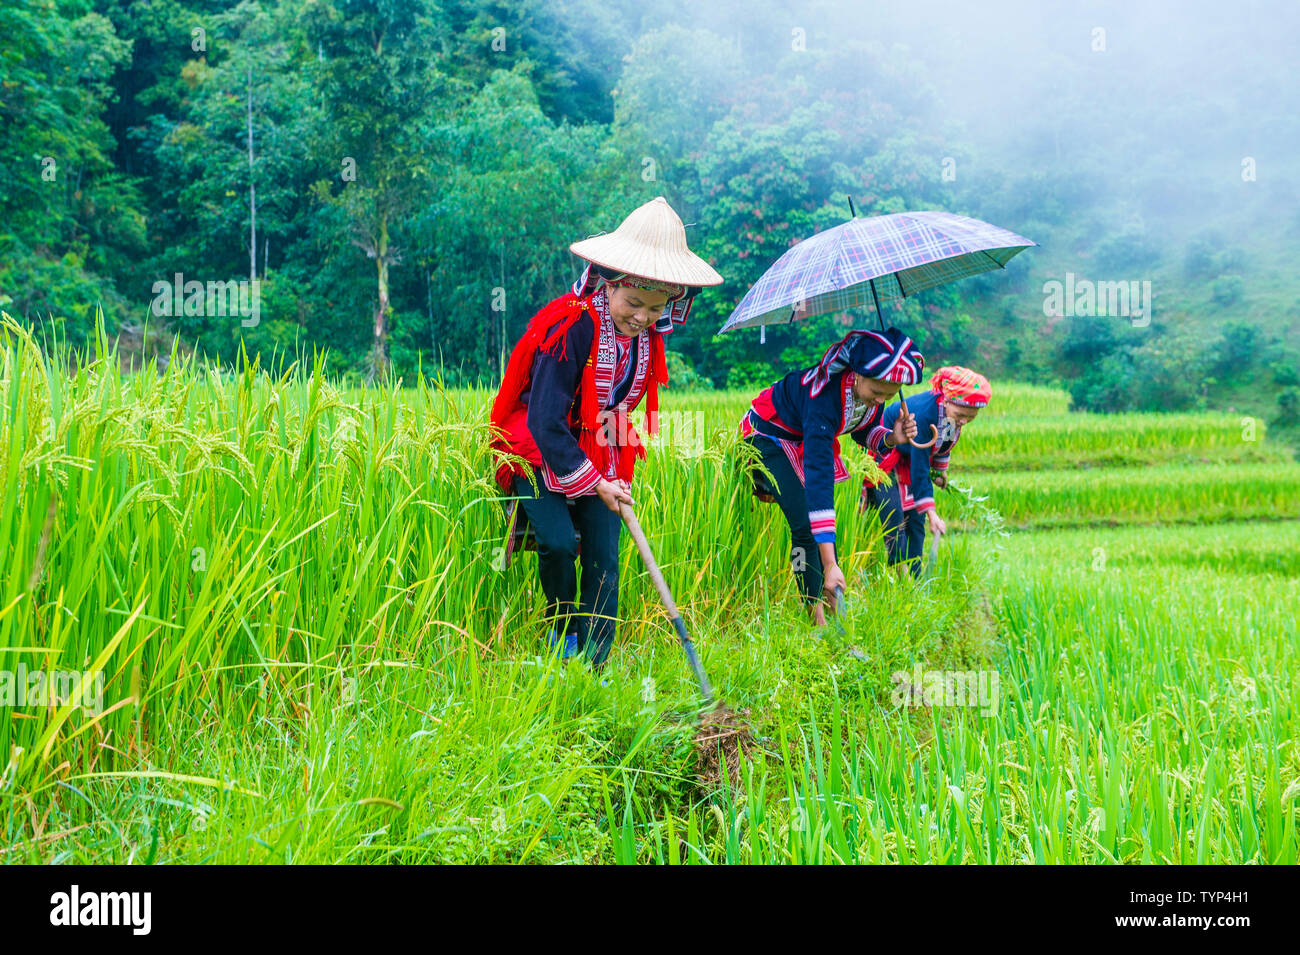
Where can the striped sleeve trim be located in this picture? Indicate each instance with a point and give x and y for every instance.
(925, 504)
(574, 484)
(876, 437)
(823, 525)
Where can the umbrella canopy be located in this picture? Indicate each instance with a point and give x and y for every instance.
(858, 262)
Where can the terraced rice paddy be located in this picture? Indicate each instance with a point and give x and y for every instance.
(312, 651)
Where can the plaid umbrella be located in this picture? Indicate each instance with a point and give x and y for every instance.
(863, 259)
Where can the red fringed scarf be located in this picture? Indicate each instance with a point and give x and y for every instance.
(547, 332)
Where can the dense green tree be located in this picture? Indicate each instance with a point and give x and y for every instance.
(490, 246)
(67, 212)
(403, 177)
(380, 90)
(215, 198)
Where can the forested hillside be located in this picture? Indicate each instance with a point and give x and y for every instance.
(404, 178)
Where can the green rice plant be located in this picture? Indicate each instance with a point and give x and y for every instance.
(1176, 492)
(1055, 441)
(272, 574)
(1246, 549)
(1030, 427)
(1139, 723)
(313, 651)
(1016, 399)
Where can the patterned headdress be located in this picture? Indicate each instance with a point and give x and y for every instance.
(595, 277)
(650, 285)
(887, 356)
(961, 386)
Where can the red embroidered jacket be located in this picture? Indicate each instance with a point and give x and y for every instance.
(561, 410)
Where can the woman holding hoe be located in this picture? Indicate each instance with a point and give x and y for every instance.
(795, 426)
(905, 507)
(561, 419)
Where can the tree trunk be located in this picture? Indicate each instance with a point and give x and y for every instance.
(379, 361)
(252, 192)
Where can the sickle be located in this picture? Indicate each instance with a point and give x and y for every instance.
(914, 443)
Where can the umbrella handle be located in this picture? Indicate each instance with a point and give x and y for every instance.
(914, 443)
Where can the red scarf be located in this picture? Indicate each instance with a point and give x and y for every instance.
(547, 332)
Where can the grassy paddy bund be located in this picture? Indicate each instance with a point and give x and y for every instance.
(311, 651)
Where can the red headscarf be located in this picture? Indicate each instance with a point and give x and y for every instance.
(961, 386)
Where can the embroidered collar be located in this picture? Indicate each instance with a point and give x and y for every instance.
(607, 354)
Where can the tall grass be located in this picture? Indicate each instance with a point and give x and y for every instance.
(298, 594)
(1142, 723)
(1176, 492)
(1072, 440)
(313, 653)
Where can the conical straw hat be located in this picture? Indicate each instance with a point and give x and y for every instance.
(651, 243)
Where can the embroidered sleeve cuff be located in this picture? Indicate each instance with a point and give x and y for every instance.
(925, 504)
(823, 525)
(876, 438)
(576, 483)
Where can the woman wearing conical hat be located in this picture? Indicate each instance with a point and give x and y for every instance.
(906, 506)
(584, 364)
(795, 426)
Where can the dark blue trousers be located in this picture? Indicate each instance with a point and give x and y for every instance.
(805, 557)
(555, 528)
(904, 530)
